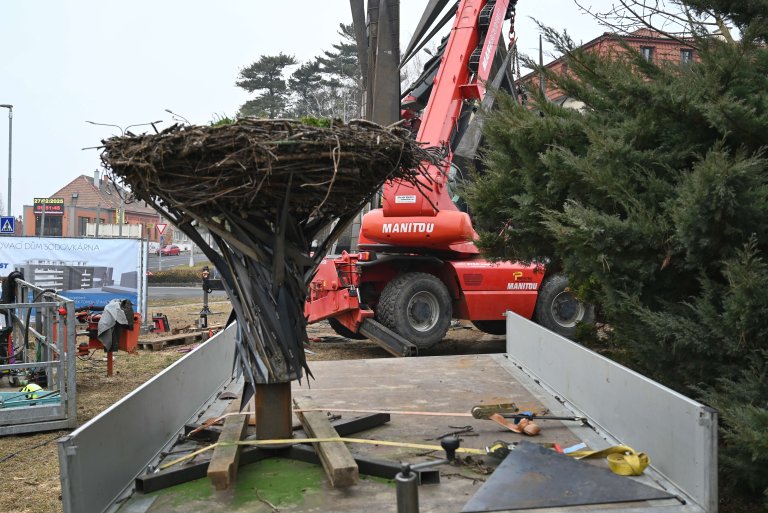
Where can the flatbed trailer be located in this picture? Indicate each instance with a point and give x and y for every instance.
(107, 463)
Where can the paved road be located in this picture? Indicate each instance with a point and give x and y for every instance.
(156, 263)
(184, 293)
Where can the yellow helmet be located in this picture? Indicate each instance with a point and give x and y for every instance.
(31, 390)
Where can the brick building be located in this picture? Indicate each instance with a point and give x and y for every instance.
(85, 200)
(654, 46)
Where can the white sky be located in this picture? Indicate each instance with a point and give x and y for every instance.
(124, 62)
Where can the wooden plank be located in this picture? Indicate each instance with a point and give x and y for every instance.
(222, 470)
(180, 339)
(173, 338)
(339, 465)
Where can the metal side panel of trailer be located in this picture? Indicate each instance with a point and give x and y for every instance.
(540, 372)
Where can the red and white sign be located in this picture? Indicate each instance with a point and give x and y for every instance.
(161, 227)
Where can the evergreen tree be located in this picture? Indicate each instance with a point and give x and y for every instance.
(342, 75)
(308, 91)
(328, 86)
(265, 76)
(653, 199)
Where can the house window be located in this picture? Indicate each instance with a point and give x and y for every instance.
(686, 55)
(647, 53)
(51, 226)
(81, 225)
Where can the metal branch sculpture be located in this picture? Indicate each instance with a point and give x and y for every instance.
(265, 190)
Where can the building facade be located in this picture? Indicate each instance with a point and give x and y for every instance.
(91, 200)
(652, 45)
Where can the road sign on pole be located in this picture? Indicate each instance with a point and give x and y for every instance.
(161, 227)
(7, 225)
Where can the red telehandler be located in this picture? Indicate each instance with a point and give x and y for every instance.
(417, 267)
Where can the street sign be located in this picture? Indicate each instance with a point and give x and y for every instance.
(161, 227)
(7, 224)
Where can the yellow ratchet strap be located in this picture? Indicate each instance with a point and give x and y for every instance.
(622, 460)
(295, 441)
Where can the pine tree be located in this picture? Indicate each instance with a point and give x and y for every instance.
(342, 75)
(328, 86)
(653, 199)
(265, 76)
(307, 89)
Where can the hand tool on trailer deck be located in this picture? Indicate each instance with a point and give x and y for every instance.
(457, 430)
(510, 411)
(524, 426)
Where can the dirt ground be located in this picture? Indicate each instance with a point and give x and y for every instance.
(29, 463)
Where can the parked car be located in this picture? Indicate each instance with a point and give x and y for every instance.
(170, 250)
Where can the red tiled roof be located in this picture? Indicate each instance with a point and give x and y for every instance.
(107, 196)
(634, 38)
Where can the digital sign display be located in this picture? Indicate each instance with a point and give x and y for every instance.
(51, 206)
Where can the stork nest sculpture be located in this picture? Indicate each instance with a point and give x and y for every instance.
(265, 190)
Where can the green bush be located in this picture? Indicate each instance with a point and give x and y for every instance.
(177, 275)
(653, 199)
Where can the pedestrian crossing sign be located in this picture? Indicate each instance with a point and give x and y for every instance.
(7, 224)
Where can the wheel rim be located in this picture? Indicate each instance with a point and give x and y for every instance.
(423, 311)
(567, 310)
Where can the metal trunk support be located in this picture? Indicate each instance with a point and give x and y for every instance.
(273, 411)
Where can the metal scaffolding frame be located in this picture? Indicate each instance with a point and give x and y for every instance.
(42, 342)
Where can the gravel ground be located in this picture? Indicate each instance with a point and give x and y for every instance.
(29, 463)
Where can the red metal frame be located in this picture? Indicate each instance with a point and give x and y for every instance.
(422, 219)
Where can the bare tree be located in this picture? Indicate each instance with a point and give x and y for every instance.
(676, 19)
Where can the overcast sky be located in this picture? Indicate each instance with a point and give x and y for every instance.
(124, 62)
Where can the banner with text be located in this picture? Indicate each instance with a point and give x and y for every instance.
(91, 272)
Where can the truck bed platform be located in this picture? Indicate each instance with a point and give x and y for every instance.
(428, 384)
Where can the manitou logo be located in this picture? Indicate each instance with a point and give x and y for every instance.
(407, 227)
(525, 285)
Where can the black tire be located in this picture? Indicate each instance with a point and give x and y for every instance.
(491, 327)
(343, 331)
(418, 307)
(558, 309)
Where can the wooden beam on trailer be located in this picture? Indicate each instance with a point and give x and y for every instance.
(339, 465)
(222, 470)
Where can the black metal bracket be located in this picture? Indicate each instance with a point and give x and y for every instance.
(393, 343)
(369, 466)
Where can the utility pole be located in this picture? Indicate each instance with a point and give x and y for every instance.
(73, 214)
(98, 218)
(10, 150)
(542, 82)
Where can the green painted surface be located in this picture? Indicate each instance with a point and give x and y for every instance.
(199, 489)
(282, 482)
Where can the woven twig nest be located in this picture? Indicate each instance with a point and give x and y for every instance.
(265, 189)
(248, 165)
